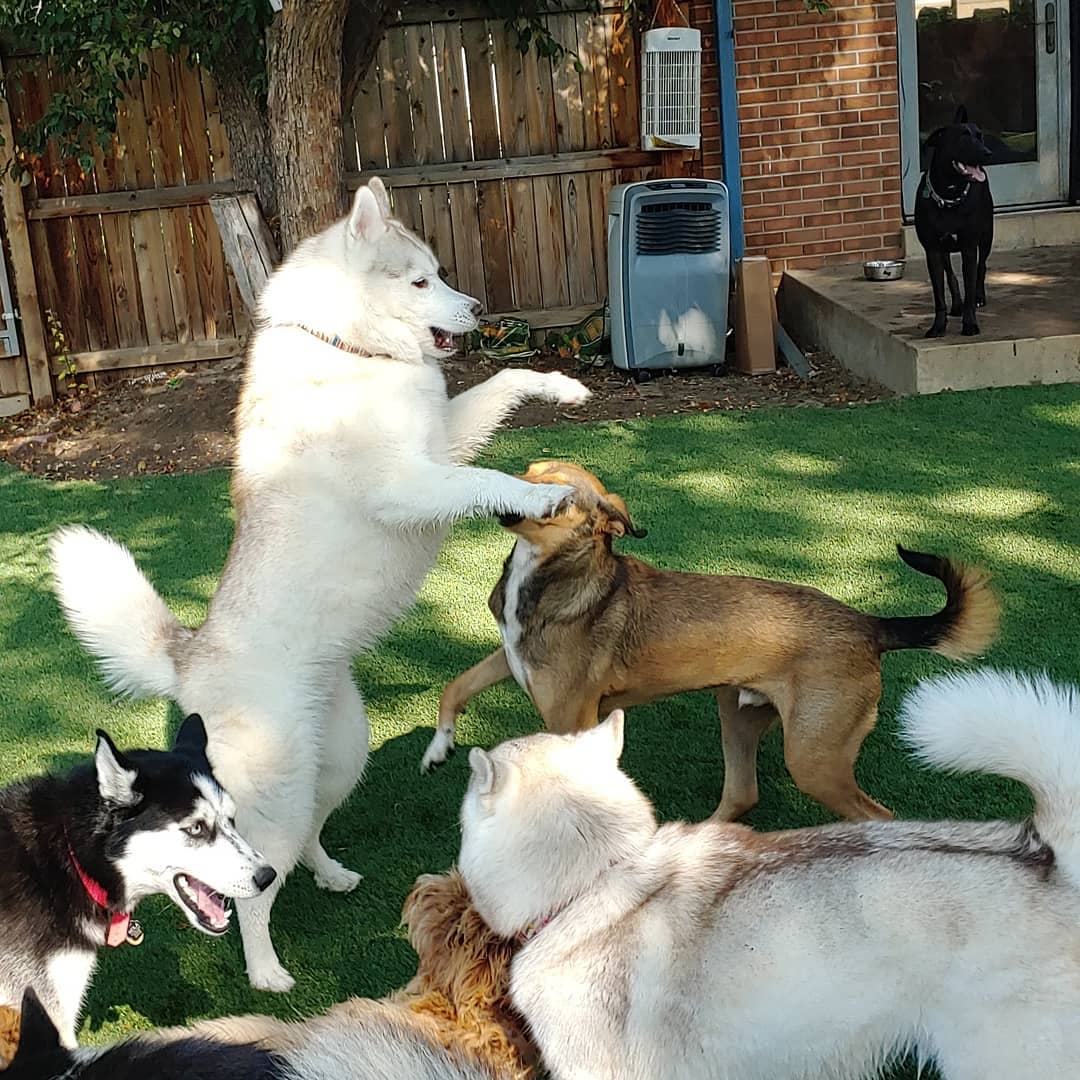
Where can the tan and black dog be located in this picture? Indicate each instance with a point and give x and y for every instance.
(586, 630)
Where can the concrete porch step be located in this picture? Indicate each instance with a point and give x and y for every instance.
(1030, 327)
(1017, 230)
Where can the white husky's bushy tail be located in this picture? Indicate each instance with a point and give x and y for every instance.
(115, 612)
(1020, 726)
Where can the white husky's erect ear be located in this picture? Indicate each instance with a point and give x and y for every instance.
(609, 735)
(115, 777)
(378, 189)
(367, 221)
(483, 768)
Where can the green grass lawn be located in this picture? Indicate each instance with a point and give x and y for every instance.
(810, 495)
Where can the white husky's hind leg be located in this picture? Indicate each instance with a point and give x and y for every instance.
(346, 738)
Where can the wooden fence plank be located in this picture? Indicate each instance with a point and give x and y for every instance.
(93, 267)
(220, 159)
(396, 91)
(111, 174)
(513, 97)
(467, 273)
(490, 198)
(22, 267)
(569, 117)
(468, 250)
(423, 95)
(369, 128)
(244, 239)
(193, 123)
(453, 95)
(218, 318)
(118, 202)
(439, 227)
(154, 355)
(623, 81)
(124, 280)
(11, 402)
(594, 46)
(547, 195)
(577, 229)
(159, 95)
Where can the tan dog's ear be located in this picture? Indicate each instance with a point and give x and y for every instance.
(618, 518)
(538, 468)
(551, 472)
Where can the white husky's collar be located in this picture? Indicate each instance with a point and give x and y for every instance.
(530, 930)
(334, 340)
(527, 933)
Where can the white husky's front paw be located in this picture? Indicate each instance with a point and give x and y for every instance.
(271, 977)
(335, 878)
(545, 500)
(564, 390)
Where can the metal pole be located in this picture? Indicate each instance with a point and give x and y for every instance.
(729, 124)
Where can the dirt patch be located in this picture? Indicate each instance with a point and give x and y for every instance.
(182, 422)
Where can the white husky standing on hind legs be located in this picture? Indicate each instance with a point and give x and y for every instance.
(350, 466)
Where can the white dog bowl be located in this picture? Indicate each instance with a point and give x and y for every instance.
(884, 269)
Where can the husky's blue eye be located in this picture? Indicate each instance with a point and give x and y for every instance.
(196, 831)
(420, 283)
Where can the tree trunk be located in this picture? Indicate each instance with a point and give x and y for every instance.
(303, 63)
(244, 117)
(364, 28)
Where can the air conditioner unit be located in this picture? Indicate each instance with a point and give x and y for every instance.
(671, 89)
(669, 274)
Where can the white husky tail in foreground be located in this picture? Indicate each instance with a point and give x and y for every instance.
(351, 463)
(711, 951)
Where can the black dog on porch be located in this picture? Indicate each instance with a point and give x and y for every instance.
(954, 211)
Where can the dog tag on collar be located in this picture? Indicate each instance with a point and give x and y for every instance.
(135, 933)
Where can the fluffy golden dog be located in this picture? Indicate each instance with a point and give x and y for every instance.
(9, 1034)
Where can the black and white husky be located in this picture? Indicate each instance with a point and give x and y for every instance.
(79, 851)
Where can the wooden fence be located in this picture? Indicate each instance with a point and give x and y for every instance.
(127, 259)
(503, 161)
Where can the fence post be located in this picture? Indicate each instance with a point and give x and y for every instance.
(22, 264)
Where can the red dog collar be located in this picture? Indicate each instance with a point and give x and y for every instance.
(120, 929)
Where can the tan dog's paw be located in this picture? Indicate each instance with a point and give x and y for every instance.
(564, 390)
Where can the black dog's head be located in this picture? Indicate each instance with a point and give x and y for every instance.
(40, 1056)
(39, 1053)
(960, 148)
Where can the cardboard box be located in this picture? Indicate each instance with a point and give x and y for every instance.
(755, 317)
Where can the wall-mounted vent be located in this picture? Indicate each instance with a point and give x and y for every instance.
(671, 89)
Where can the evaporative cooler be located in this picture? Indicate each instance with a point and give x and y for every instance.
(669, 274)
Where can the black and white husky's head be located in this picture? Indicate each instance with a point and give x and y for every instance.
(168, 828)
(41, 1057)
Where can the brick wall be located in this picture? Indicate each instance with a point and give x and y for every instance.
(819, 129)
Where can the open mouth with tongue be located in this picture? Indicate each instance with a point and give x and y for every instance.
(444, 340)
(970, 172)
(206, 906)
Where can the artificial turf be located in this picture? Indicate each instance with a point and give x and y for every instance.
(810, 495)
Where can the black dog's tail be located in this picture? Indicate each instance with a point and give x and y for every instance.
(963, 628)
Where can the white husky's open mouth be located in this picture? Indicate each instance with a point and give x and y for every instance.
(972, 172)
(208, 907)
(444, 340)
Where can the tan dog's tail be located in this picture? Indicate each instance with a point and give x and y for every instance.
(963, 628)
